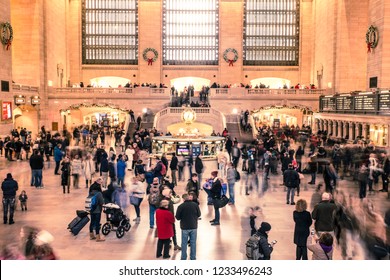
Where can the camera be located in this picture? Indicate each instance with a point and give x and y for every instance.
(274, 242)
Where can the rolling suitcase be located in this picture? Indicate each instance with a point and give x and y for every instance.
(80, 225)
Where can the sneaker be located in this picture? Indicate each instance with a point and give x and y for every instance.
(292, 203)
(177, 247)
(215, 224)
(11, 222)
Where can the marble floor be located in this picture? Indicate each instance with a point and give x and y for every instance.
(50, 209)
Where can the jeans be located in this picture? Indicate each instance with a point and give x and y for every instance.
(152, 210)
(95, 222)
(121, 181)
(188, 234)
(76, 178)
(37, 177)
(137, 209)
(292, 191)
(313, 177)
(8, 202)
(209, 197)
(231, 192)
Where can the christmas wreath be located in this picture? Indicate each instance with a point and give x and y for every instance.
(7, 34)
(232, 58)
(372, 38)
(148, 58)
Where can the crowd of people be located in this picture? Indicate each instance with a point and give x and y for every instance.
(286, 153)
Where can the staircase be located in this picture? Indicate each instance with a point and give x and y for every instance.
(235, 131)
(132, 126)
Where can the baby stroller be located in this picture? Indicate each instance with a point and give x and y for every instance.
(116, 220)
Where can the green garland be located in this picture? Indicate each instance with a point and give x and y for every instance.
(225, 53)
(145, 55)
(372, 36)
(7, 34)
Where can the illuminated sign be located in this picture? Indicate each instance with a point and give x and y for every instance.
(6, 110)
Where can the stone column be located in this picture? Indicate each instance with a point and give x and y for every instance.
(356, 130)
(340, 128)
(351, 132)
(364, 131)
(335, 129)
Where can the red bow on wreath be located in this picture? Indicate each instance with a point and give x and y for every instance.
(231, 62)
(8, 45)
(369, 45)
(150, 61)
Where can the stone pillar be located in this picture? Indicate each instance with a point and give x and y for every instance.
(340, 128)
(351, 132)
(365, 131)
(334, 129)
(356, 130)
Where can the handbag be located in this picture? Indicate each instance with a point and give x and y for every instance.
(134, 200)
(175, 198)
(221, 202)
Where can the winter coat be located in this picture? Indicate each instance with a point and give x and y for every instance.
(216, 189)
(121, 168)
(188, 214)
(89, 168)
(130, 154)
(291, 178)
(58, 154)
(303, 222)
(77, 167)
(198, 165)
(164, 220)
(324, 214)
(9, 187)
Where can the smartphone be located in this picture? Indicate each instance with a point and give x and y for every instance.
(274, 242)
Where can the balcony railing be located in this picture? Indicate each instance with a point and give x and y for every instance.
(260, 91)
(93, 90)
(24, 88)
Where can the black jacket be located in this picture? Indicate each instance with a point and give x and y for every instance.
(303, 222)
(9, 188)
(198, 165)
(173, 164)
(216, 189)
(324, 214)
(36, 162)
(291, 178)
(264, 247)
(188, 214)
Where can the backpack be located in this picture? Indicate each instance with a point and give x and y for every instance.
(163, 169)
(252, 248)
(91, 202)
(153, 198)
(237, 175)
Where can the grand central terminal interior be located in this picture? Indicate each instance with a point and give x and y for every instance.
(199, 77)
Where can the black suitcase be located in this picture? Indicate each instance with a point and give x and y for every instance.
(74, 222)
(79, 226)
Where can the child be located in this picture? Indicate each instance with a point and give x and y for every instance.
(23, 200)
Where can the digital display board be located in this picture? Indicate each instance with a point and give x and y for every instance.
(328, 103)
(344, 103)
(365, 102)
(384, 102)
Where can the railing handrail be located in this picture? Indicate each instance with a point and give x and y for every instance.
(19, 87)
(252, 91)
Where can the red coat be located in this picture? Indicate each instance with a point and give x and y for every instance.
(164, 221)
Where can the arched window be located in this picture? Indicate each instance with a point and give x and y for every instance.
(271, 32)
(110, 32)
(190, 32)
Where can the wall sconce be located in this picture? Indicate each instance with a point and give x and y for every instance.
(50, 83)
(329, 84)
(35, 100)
(19, 100)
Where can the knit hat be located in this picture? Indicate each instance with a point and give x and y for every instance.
(214, 173)
(265, 227)
(9, 176)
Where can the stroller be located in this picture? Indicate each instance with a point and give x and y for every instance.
(116, 220)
